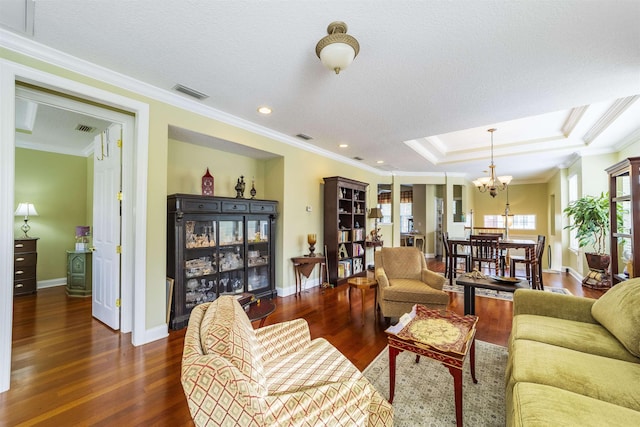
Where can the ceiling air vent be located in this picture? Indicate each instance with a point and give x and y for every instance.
(303, 136)
(191, 92)
(358, 158)
(85, 128)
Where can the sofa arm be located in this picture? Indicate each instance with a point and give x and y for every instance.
(569, 307)
(381, 278)
(283, 338)
(435, 280)
(339, 403)
(204, 377)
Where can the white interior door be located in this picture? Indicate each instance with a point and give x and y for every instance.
(107, 187)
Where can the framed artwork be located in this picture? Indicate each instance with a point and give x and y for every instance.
(169, 296)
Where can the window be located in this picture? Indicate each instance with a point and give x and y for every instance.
(518, 222)
(406, 217)
(573, 196)
(386, 212)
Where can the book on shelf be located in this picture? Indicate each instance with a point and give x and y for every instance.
(344, 268)
(358, 266)
(358, 234)
(343, 236)
(358, 249)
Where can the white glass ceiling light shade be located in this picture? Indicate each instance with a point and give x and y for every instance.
(26, 210)
(491, 183)
(338, 49)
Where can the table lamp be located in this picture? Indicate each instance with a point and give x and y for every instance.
(26, 209)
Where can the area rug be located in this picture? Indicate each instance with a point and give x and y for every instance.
(424, 391)
(489, 293)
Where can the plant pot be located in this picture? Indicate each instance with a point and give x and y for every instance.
(598, 262)
(598, 277)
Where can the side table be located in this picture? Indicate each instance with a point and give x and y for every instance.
(303, 267)
(364, 283)
(259, 310)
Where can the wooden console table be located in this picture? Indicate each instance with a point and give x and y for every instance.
(303, 267)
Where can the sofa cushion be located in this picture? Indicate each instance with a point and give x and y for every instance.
(402, 263)
(586, 337)
(227, 331)
(618, 310)
(316, 365)
(414, 291)
(537, 405)
(602, 378)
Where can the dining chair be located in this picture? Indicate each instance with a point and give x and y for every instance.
(451, 258)
(516, 259)
(485, 249)
(418, 241)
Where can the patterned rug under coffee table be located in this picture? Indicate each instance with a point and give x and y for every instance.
(488, 293)
(424, 391)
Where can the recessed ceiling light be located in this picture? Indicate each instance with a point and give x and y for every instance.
(343, 145)
(380, 162)
(264, 110)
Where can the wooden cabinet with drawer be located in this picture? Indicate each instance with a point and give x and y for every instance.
(25, 258)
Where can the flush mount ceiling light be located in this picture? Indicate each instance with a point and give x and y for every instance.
(337, 49)
(264, 110)
(491, 183)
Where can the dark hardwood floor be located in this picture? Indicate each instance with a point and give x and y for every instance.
(69, 369)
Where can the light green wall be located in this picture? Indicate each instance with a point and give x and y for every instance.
(57, 185)
(188, 162)
(557, 236)
(524, 199)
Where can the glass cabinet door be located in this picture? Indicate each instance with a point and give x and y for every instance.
(231, 256)
(258, 268)
(200, 269)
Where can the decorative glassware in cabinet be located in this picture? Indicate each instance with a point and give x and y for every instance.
(258, 277)
(200, 234)
(231, 232)
(231, 282)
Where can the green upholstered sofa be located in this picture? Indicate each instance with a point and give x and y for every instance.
(575, 361)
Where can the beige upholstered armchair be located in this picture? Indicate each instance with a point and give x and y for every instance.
(233, 375)
(404, 280)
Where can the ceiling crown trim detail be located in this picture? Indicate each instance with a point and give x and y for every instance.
(618, 107)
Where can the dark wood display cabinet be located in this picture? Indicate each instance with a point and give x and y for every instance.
(216, 246)
(624, 192)
(345, 233)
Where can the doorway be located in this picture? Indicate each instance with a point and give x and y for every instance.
(134, 209)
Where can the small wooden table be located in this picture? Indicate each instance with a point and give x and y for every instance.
(260, 309)
(364, 283)
(470, 285)
(303, 267)
(442, 336)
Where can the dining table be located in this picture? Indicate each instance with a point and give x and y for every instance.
(529, 247)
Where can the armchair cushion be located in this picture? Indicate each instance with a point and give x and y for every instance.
(617, 310)
(403, 263)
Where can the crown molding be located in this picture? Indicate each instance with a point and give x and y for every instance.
(628, 140)
(38, 51)
(572, 120)
(618, 107)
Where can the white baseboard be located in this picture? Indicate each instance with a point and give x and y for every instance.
(291, 289)
(574, 273)
(155, 334)
(42, 284)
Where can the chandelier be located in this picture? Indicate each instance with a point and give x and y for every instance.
(492, 183)
(338, 49)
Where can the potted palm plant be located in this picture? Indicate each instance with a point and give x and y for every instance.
(590, 219)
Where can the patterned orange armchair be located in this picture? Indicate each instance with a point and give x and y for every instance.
(272, 376)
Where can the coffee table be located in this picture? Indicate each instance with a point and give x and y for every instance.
(260, 309)
(363, 284)
(470, 284)
(440, 335)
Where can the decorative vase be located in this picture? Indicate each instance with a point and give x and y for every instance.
(207, 184)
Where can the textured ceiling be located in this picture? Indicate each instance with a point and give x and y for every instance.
(434, 74)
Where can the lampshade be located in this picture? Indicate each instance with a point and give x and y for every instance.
(26, 210)
(375, 213)
(338, 49)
